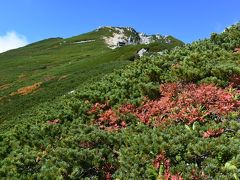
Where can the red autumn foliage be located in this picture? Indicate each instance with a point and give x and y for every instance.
(187, 103)
(108, 169)
(96, 107)
(161, 159)
(213, 133)
(235, 81)
(153, 108)
(108, 119)
(180, 103)
(54, 121)
(127, 108)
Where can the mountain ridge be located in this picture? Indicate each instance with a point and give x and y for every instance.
(125, 36)
(128, 36)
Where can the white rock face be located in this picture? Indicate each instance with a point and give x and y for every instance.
(158, 36)
(113, 42)
(119, 30)
(118, 37)
(144, 39)
(121, 37)
(142, 52)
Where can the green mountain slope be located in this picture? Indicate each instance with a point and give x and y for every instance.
(46, 69)
(169, 116)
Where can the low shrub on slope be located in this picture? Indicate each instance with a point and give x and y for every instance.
(173, 116)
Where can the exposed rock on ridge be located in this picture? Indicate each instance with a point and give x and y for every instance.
(120, 36)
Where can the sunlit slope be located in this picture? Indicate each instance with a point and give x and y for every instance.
(49, 68)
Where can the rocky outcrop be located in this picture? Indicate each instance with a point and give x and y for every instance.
(142, 52)
(126, 36)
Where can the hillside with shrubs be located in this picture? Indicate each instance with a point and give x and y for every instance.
(171, 116)
(47, 69)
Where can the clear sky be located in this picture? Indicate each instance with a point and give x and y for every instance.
(188, 20)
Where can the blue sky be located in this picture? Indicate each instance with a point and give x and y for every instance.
(188, 20)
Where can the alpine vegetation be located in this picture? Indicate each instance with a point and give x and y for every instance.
(170, 115)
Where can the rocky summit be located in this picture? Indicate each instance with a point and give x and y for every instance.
(120, 36)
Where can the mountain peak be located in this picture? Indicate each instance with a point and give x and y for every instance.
(121, 36)
(116, 28)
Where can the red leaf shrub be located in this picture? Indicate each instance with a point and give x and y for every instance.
(108, 119)
(157, 108)
(187, 103)
(108, 170)
(161, 159)
(96, 107)
(127, 108)
(213, 133)
(235, 81)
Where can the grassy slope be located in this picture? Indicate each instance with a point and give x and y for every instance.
(60, 64)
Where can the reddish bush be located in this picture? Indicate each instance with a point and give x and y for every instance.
(127, 108)
(108, 169)
(187, 103)
(159, 109)
(162, 160)
(108, 119)
(96, 107)
(213, 133)
(235, 81)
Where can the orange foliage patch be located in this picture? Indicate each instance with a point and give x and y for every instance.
(27, 90)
